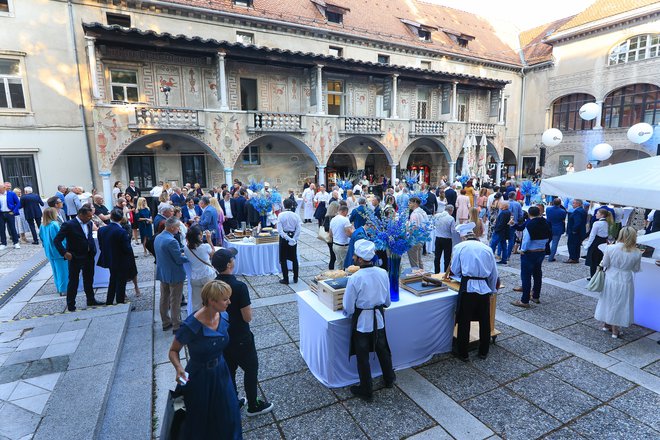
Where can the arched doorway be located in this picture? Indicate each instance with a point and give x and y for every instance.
(624, 155)
(172, 157)
(282, 160)
(365, 154)
(510, 164)
(427, 156)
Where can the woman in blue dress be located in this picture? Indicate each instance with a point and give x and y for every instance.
(143, 218)
(212, 410)
(47, 232)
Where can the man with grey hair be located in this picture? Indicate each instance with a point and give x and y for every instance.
(72, 202)
(100, 210)
(31, 204)
(159, 221)
(170, 273)
(61, 189)
(444, 225)
(208, 221)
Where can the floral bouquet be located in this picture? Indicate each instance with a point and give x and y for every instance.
(421, 195)
(531, 191)
(255, 186)
(395, 234)
(411, 178)
(463, 179)
(276, 197)
(345, 182)
(262, 203)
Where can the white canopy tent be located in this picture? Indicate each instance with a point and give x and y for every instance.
(635, 183)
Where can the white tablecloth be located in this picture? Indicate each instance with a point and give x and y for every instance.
(256, 259)
(299, 208)
(647, 295)
(417, 328)
(101, 274)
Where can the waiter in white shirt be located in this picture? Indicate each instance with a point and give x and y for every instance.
(474, 263)
(288, 228)
(366, 297)
(340, 233)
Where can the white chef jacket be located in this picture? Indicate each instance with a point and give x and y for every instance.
(473, 258)
(366, 288)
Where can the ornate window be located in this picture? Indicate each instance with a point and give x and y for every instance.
(636, 48)
(631, 104)
(565, 112)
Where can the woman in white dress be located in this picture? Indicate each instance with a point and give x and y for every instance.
(616, 303)
(308, 202)
(351, 201)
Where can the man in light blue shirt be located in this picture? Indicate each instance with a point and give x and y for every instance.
(516, 215)
(170, 273)
(536, 235)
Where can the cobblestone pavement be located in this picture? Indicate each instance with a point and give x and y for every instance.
(551, 374)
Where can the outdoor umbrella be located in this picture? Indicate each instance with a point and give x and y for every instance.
(467, 146)
(483, 147)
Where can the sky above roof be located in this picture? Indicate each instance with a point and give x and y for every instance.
(524, 14)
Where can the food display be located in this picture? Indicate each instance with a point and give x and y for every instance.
(352, 269)
(331, 274)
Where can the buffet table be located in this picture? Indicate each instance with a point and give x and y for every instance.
(417, 328)
(256, 259)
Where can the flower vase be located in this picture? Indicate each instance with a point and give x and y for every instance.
(394, 273)
(264, 221)
(344, 195)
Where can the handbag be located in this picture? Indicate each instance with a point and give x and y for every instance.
(174, 417)
(323, 235)
(597, 281)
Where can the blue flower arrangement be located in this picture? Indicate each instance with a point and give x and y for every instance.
(528, 188)
(421, 195)
(276, 197)
(411, 178)
(346, 182)
(262, 203)
(395, 234)
(463, 179)
(255, 186)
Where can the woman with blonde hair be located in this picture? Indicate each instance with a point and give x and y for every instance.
(473, 216)
(351, 201)
(47, 232)
(221, 218)
(144, 221)
(615, 306)
(212, 409)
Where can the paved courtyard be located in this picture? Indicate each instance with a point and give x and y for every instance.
(551, 374)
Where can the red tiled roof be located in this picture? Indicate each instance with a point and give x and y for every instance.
(381, 20)
(534, 50)
(605, 8)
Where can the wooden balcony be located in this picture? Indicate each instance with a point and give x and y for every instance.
(426, 127)
(277, 122)
(165, 118)
(362, 125)
(481, 128)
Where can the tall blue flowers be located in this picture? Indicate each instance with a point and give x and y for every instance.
(396, 234)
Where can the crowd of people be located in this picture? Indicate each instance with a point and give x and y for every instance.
(475, 229)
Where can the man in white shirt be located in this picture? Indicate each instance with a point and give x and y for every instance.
(444, 225)
(288, 228)
(157, 190)
(340, 232)
(366, 297)
(474, 263)
(417, 218)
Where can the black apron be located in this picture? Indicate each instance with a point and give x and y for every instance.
(320, 211)
(374, 333)
(462, 290)
(594, 255)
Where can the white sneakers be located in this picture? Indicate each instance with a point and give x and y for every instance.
(2, 247)
(17, 246)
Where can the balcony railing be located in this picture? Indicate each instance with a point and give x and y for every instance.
(148, 118)
(425, 127)
(480, 128)
(277, 122)
(360, 125)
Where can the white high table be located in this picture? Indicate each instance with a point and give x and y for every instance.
(101, 274)
(417, 328)
(256, 259)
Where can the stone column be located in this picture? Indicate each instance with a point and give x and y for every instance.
(498, 173)
(599, 125)
(222, 86)
(107, 189)
(228, 177)
(393, 174)
(91, 59)
(319, 90)
(548, 121)
(321, 169)
(452, 172)
(395, 100)
(454, 102)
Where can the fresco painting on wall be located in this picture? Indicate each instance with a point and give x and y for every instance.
(278, 96)
(193, 93)
(294, 98)
(210, 88)
(170, 76)
(361, 102)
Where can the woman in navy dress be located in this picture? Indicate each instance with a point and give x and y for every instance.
(212, 410)
(143, 219)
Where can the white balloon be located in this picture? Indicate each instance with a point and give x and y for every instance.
(640, 133)
(589, 111)
(602, 152)
(551, 137)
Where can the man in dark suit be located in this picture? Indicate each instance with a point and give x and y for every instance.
(556, 216)
(115, 247)
(9, 209)
(228, 206)
(31, 203)
(431, 205)
(576, 230)
(209, 218)
(80, 251)
(450, 195)
(133, 191)
(240, 207)
(177, 198)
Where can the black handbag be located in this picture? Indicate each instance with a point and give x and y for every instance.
(174, 417)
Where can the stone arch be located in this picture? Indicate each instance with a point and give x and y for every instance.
(428, 144)
(362, 144)
(295, 140)
(557, 95)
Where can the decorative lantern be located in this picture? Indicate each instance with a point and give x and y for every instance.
(640, 133)
(589, 111)
(551, 137)
(602, 152)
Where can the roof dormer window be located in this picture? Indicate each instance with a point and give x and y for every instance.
(422, 31)
(244, 3)
(333, 17)
(424, 35)
(332, 13)
(461, 39)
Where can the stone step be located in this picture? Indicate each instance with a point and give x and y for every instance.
(76, 407)
(128, 412)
